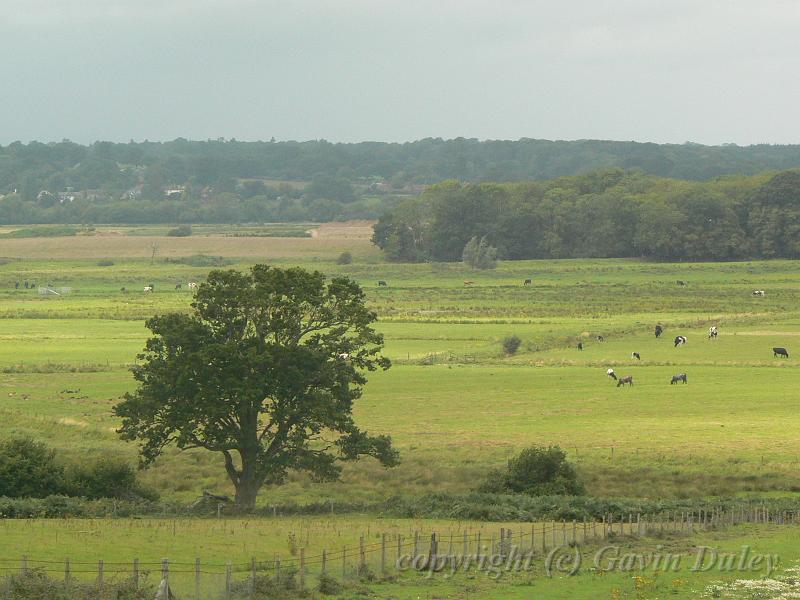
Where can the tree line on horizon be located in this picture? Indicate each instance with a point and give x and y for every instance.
(603, 214)
(233, 181)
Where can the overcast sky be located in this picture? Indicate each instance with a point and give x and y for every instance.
(708, 71)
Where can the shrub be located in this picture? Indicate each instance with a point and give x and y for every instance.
(180, 231)
(282, 586)
(536, 471)
(107, 478)
(329, 585)
(345, 258)
(511, 344)
(478, 254)
(29, 469)
(36, 585)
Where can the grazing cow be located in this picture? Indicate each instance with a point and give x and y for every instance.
(636, 355)
(776, 352)
(623, 380)
(467, 282)
(16, 285)
(600, 338)
(526, 282)
(681, 282)
(659, 330)
(148, 289)
(758, 293)
(124, 290)
(680, 340)
(611, 374)
(712, 332)
(382, 283)
(580, 346)
(192, 285)
(177, 286)
(679, 377)
(27, 285)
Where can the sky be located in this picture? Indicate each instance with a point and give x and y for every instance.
(706, 71)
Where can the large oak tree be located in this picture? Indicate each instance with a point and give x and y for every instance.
(264, 371)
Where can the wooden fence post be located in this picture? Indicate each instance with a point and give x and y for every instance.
(324, 561)
(136, 573)
(383, 553)
(544, 537)
(344, 562)
(196, 579)
(66, 571)
(100, 574)
(228, 575)
(303, 568)
(253, 576)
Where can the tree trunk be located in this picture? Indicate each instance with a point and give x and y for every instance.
(246, 493)
(247, 482)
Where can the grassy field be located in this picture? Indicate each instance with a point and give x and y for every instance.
(453, 403)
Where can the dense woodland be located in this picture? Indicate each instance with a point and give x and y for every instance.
(232, 181)
(610, 213)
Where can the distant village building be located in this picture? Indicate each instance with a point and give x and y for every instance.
(175, 192)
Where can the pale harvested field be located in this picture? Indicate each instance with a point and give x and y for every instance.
(328, 245)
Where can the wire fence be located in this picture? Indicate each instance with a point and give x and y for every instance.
(387, 553)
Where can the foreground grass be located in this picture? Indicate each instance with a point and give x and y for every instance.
(117, 542)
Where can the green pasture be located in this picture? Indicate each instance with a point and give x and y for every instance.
(453, 403)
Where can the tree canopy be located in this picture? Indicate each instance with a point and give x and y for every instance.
(602, 214)
(265, 372)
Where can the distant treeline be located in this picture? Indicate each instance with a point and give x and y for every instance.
(228, 181)
(225, 208)
(610, 213)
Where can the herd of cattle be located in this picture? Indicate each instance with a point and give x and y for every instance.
(680, 340)
(148, 289)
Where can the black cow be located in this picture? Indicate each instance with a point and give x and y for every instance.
(623, 380)
(580, 346)
(600, 338)
(681, 282)
(679, 377)
(526, 282)
(680, 340)
(780, 352)
(659, 330)
(382, 283)
(636, 355)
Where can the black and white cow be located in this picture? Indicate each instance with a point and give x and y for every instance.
(610, 373)
(759, 293)
(680, 340)
(636, 355)
(712, 332)
(679, 377)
